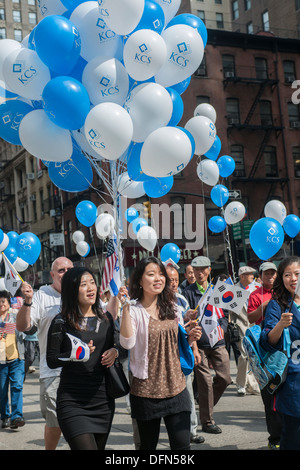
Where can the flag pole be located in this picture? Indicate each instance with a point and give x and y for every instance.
(11, 266)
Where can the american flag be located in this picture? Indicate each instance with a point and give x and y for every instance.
(111, 273)
(7, 328)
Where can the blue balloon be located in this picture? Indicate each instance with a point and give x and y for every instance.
(28, 247)
(182, 86)
(219, 195)
(86, 213)
(1, 236)
(216, 224)
(193, 21)
(57, 43)
(170, 251)
(74, 175)
(11, 115)
(12, 236)
(66, 102)
(214, 150)
(291, 225)
(134, 169)
(177, 107)
(266, 237)
(11, 254)
(158, 187)
(153, 18)
(226, 166)
(138, 223)
(131, 214)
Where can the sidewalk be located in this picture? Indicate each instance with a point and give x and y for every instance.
(241, 419)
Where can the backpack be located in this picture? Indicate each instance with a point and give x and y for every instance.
(185, 352)
(269, 368)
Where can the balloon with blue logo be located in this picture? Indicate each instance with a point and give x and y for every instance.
(74, 175)
(122, 15)
(83, 248)
(131, 214)
(86, 213)
(12, 236)
(170, 251)
(178, 107)
(214, 150)
(266, 237)
(193, 21)
(28, 247)
(11, 115)
(138, 223)
(170, 8)
(152, 18)
(158, 187)
(216, 224)
(66, 102)
(226, 166)
(11, 254)
(219, 195)
(291, 225)
(57, 43)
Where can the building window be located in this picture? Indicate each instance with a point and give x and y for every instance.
(296, 159)
(289, 71)
(297, 4)
(228, 63)
(218, 2)
(235, 10)
(265, 108)
(250, 28)
(2, 13)
(237, 153)
(201, 14)
(16, 16)
(18, 35)
(31, 2)
(261, 67)
(219, 20)
(294, 116)
(233, 111)
(265, 21)
(247, 5)
(270, 159)
(2, 33)
(202, 70)
(202, 99)
(32, 18)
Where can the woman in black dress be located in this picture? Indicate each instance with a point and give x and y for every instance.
(81, 341)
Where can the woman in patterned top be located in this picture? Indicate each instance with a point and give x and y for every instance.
(150, 330)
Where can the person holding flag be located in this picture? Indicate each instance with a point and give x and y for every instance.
(211, 346)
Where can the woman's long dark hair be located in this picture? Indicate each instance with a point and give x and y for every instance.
(166, 300)
(280, 293)
(69, 297)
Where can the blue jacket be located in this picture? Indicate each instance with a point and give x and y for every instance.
(193, 295)
(288, 396)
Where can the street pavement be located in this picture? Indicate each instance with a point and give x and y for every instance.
(242, 420)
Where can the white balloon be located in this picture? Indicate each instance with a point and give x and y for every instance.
(147, 237)
(97, 38)
(204, 132)
(150, 107)
(51, 7)
(78, 236)
(82, 143)
(144, 54)
(129, 188)
(185, 51)
(25, 73)
(20, 265)
(43, 139)
(122, 15)
(208, 172)
(170, 8)
(234, 212)
(207, 110)
(106, 80)
(165, 152)
(276, 210)
(6, 47)
(104, 225)
(82, 248)
(4, 243)
(108, 129)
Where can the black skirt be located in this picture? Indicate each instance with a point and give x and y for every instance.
(143, 408)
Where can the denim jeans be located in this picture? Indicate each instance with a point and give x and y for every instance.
(11, 376)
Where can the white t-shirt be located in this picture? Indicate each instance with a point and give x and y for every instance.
(45, 306)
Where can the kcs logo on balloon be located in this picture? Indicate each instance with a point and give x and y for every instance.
(95, 139)
(183, 50)
(143, 56)
(272, 239)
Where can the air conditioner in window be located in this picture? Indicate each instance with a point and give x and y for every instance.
(33, 197)
(30, 176)
(295, 125)
(233, 121)
(229, 74)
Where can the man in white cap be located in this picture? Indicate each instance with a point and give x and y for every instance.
(257, 304)
(210, 389)
(245, 380)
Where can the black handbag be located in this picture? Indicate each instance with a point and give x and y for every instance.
(117, 385)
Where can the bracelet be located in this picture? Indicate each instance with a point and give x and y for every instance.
(117, 353)
(26, 304)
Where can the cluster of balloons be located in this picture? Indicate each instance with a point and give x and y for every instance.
(20, 250)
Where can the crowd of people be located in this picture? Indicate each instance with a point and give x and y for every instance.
(79, 334)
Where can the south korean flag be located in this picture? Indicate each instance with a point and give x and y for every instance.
(80, 350)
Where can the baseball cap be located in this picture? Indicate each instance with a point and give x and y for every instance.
(246, 270)
(267, 265)
(200, 262)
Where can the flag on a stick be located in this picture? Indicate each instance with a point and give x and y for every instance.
(12, 279)
(229, 297)
(111, 273)
(7, 328)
